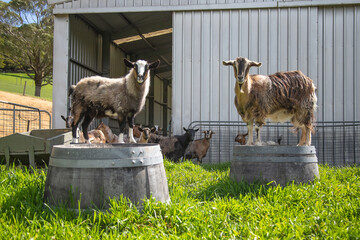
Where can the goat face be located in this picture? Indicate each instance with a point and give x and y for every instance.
(241, 67)
(190, 133)
(146, 132)
(68, 120)
(141, 68)
(208, 134)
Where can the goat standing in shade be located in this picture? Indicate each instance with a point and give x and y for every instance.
(198, 148)
(95, 135)
(97, 97)
(282, 96)
(173, 148)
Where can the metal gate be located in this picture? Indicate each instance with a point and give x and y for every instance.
(336, 143)
(17, 118)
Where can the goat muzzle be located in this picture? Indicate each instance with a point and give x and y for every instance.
(140, 79)
(240, 80)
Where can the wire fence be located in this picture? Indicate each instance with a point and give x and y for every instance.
(336, 143)
(17, 118)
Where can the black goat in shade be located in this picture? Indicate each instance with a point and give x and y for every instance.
(173, 148)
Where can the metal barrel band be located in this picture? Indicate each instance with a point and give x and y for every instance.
(264, 159)
(104, 163)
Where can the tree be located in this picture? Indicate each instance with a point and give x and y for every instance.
(26, 28)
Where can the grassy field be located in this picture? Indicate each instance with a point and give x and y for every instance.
(205, 204)
(14, 83)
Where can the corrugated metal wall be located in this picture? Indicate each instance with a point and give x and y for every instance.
(85, 51)
(324, 43)
(117, 66)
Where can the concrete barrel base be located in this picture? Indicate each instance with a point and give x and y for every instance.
(90, 174)
(281, 164)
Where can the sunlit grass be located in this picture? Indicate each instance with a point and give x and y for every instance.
(14, 83)
(205, 204)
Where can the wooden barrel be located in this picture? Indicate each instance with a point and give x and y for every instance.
(281, 164)
(90, 174)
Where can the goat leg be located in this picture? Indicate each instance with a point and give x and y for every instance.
(257, 131)
(250, 133)
(85, 125)
(308, 136)
(131, 128)
(122, 124)
(75, 134)
(303, 136)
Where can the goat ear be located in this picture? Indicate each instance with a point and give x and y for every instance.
(255, 64)
(196, 129)
(129, 63)
(154, 65)
(140, 129)
(185, 129)
(229, 63)
(63, 118)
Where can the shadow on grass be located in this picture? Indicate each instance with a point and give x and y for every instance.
(228, 187)
(17, 75)
(222, 167)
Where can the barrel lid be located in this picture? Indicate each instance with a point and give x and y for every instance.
(298, 150)
(304, 154)
(105, 155)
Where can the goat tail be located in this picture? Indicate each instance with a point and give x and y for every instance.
(71, 90)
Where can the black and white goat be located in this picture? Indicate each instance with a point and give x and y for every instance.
(123, 98)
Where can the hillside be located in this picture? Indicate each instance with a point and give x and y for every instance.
(26, 100)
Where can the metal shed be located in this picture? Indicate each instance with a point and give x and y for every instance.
(320, 38)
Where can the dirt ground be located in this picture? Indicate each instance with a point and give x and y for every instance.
(26, 100)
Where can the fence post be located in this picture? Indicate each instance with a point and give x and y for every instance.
(24, 89)
(14, 119)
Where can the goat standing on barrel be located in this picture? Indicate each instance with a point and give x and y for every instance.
(122, 97)
(282, 96)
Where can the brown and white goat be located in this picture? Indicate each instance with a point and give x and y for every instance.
(97, 97)
(240, 138)
(109, 135)
(95, 135)
(145, 134)
(198, 148)
(280, 97)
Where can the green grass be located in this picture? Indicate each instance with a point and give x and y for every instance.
(205, 204)
(14, 83)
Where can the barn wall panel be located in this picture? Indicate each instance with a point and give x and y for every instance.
(277, 37)
(322, 42)
(117, 66)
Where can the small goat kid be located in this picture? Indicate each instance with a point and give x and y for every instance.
(173, 148)
(145, 134)
(282, 96)
(198, 148)
(97, 97)
(95, 135)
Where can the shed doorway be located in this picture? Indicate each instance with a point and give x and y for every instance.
(99, 42)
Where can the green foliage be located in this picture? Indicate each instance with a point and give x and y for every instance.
(26, 33)
(14, 83)
(205, 204)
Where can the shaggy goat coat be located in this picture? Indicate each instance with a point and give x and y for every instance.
(122, 98)
(280, 97)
